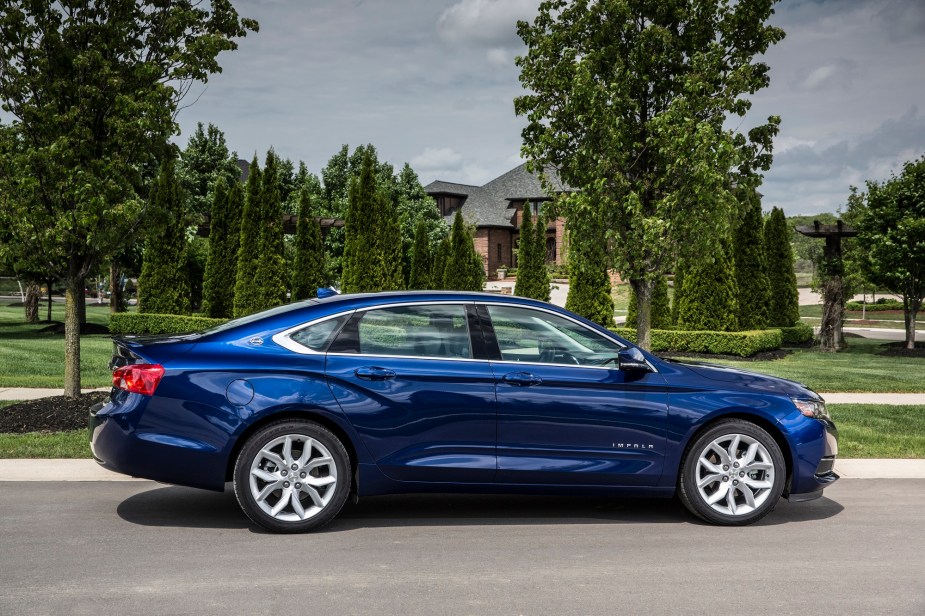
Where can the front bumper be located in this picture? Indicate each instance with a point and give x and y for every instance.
(811, 488)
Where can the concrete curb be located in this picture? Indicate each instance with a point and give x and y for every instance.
(89, 470)
(892, 399)
(34, 393)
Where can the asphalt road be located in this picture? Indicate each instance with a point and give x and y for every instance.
(142, 548)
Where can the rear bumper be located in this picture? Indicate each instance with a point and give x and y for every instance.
(117, 445)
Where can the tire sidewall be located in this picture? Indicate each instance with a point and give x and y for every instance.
(270, 432)
(687, 487)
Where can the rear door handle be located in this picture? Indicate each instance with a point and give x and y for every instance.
(374, 373)
(522, 379)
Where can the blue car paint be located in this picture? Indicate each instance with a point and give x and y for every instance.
(441, 424)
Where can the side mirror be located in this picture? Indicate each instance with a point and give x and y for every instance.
(632, 359)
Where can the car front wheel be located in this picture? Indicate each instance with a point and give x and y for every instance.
(733, 474)
(292, 476)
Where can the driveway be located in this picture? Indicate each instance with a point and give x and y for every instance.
(137, 547)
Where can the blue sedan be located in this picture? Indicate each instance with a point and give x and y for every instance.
(304, 406)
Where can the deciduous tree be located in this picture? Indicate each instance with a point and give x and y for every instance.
(628, 100)
(92, 89)
(892, 232)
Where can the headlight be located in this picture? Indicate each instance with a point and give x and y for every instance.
(811, 408)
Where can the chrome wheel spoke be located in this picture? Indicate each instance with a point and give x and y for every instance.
(287, 451)
(748, 494)
(750, 453)
(266, 454)
(711, 468)
(757, 484)
(269, 489)
(731, 501)
(758, 466)
(709, 479)
(721, 493)
(323, 461)
(313, 494)
(320, 482)
(722, 453)
(734, 448)
(306, 451)
(263, 475)
(282, 502)
(297, 506)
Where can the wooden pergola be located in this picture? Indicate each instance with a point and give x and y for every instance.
(290, 221)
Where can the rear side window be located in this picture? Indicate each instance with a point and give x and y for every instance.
(439, 331)
(318, 335)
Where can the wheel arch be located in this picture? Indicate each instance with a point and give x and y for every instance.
(301, 414)
(761, 421)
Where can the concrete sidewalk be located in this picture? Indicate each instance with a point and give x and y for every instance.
(89, 470)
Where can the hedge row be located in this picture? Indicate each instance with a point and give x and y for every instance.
(129, 323)
(743, 344)
(798, 334)
(858, 306)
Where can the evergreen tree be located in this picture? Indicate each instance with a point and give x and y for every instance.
(589, 284)
(541, 279)
(224, 232)
(372, 248)
(202, 163)
(525, 261)
(709, 299)
(438, 270)
(464, 268)
(661, 310)
(421, 261)
(271, 259)
(308, 263)
(751, 267)
(163, 287)
(246, 290)
(678, 291)
(532, 275)
(784, 306)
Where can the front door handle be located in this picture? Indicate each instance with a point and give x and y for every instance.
(522, 379)
(374, 373)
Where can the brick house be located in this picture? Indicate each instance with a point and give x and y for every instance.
(497, 209)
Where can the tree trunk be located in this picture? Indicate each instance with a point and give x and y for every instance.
(115, 288)
(910, 313)
(833, 311)
(643, 290)
(74, 291)
(31, 301)
(82, 302)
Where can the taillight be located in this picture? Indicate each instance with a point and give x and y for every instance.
(138, 378)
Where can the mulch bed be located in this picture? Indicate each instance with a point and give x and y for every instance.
(898, 349)
(55, 414)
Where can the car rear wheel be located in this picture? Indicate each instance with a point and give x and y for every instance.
(732, 474)
(292, 476)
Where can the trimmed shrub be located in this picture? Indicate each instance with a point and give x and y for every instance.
(743, 344)
(784, 309)
(751, 269)
(589, 285)
(878, 307)
(708, 302)
(135, 323)
(798, 334)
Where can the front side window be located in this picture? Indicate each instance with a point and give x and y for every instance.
(535, 336)
(440, 330)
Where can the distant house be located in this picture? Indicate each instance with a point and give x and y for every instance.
(496, 210)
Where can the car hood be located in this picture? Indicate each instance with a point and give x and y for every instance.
(751, 381)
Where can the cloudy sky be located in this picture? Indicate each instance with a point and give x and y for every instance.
(431, 82)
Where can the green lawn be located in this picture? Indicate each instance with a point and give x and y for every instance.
(73, 444)
(31, 359)
(859, 368)
(812, 314)
(879, 430)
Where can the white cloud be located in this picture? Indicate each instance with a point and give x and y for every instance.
(486, 21)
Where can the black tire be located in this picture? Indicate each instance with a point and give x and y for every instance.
(695, 501)
(333, 502)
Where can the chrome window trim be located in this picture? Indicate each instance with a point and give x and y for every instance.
(284, 339)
